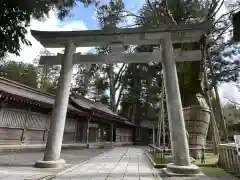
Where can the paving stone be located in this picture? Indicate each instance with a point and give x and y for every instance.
(121, 163)
(19, 165)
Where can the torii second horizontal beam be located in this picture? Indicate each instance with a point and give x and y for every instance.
(144, 57)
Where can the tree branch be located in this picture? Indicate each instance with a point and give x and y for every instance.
(119, 96)
(132, 14)
(120, 72)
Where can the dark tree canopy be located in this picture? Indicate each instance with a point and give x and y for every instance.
(15, 17)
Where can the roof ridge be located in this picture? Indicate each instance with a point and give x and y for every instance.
(25, 87)
(78, 96)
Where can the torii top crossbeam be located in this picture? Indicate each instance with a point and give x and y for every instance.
(125, 36)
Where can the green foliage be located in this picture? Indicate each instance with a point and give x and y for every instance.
(47, 77)
(13, 23)
(20, 72)
(109, 15)
(15, 18)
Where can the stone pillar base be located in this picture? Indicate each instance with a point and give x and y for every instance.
(181, 171)
(50, 164)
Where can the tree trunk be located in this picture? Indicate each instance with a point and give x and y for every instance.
(159, 132)
(216, 138)
(112, 89)
(163, 126)
(161, 115)
(219, 113)
(43, 78)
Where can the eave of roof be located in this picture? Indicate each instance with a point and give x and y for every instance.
(99, 108)
(11, 88)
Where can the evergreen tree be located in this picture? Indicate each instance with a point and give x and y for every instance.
(47, 77)
(20, 72)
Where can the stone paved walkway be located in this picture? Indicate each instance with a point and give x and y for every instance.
(122, 163)
(19, 165)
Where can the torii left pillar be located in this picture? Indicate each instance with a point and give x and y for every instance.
(52, 152)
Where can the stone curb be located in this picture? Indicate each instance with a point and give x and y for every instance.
(164, 165)
(150, 159)
(154, 170)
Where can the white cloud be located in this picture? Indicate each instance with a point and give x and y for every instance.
(228, 90)
(29, 53)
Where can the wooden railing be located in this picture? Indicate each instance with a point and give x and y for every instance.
(229, 159)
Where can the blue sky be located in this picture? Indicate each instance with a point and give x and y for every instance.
(88, 15)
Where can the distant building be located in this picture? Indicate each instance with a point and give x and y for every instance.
(25, 115)
(232, 116)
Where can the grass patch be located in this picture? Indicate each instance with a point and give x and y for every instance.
(214, 171)
(210, 158)
(158, 160)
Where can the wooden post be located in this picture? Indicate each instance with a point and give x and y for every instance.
(46, 129)
(99, 134)
(153, 131)
(111, 132)
(76, 132)
(25, 126)
(87, 130)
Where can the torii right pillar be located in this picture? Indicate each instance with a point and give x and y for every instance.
(181, 164)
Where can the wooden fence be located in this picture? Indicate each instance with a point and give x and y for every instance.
(229, 159)
(19, 126)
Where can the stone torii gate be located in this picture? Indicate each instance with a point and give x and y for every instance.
(164, 36)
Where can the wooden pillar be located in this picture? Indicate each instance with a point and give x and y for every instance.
(111, 132)
(25, 126)
(46, 129)
(99, 133)
(87, 130)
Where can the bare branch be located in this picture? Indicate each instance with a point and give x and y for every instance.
(232, 101)
(215, 12)
(120, 96)
(226, 14)
(167, 12)
(223, 32)
(129, 13)
(120, 72)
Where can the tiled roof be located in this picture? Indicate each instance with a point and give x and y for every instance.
(20, 90)
(88, 104)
